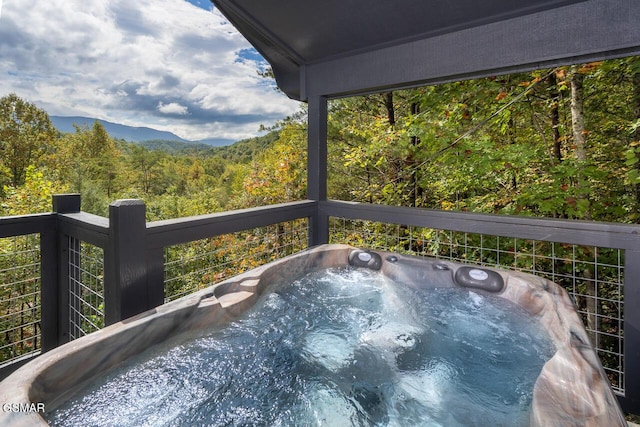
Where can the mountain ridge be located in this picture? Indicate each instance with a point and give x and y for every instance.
(130, 133)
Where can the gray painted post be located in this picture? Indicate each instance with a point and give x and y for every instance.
(317, 167)
(49, 290)
(155, 276)
(66, 203)
(57, 293)
(631, 400)
(125, 282)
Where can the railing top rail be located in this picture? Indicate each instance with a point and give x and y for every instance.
(26, 224)
(182, 230)
(91, 228)
(95, 229)
(604, 234)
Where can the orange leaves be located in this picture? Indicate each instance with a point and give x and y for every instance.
(590, 67)
(529, 83)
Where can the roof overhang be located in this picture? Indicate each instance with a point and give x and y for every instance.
(341, 47)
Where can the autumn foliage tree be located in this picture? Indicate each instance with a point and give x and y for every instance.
(556, 142)
(279, 173)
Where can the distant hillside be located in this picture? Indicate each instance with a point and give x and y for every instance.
(247, 149)
(130, 133)
(174, 147)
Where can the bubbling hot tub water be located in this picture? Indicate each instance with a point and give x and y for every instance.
(342, 346)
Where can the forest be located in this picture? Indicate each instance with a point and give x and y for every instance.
(561, 142)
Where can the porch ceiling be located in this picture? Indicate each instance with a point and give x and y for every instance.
(365, 44)
(310, 31)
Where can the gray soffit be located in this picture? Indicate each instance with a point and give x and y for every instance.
(341, 47)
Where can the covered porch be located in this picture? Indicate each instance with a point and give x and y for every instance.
(76, 272)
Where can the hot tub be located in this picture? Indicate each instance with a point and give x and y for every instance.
(571, 388)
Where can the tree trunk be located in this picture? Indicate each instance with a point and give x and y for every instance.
(577, 114)
(580, 153)
(555, 116)
(391, 112)
(512, 141)
(579, 133)
(635, 78)
(410, 163)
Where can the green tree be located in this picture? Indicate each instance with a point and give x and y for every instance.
(32, 197)
(26, 136)
(92, 165)
(146, 167)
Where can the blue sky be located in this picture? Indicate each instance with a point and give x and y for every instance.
(174, 65)
(204, 4)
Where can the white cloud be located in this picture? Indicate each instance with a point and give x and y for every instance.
(159, 63)
(173, 108)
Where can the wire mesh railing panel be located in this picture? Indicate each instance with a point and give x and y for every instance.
(20, 305)
(86, 288)
(195, 265)
(593, 276)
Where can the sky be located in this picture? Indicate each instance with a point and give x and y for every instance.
(172, 65)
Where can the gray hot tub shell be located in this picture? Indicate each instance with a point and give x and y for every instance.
(571, 390)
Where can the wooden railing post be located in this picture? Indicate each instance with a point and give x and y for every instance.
(127, 290)
(55, 275)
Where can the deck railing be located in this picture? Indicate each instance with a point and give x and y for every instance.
(26, 278)
(68, 273)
